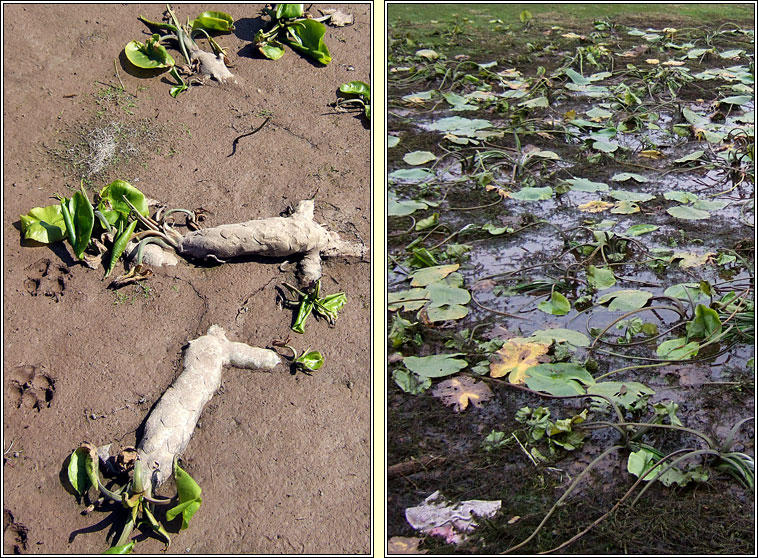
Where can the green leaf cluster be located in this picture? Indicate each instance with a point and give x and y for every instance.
(290, 27)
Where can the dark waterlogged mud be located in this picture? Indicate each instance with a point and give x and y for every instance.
(526, 188)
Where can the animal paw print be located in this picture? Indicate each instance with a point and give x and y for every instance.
(32, 388)
(47, 279)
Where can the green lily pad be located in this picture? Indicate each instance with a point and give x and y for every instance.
(533, 194)
(679, 196)
(694, 156)
(624, 176)
(411, 175)
(429, 275)
(625, 300)
(396, 208)
(435, 366)
(687, 212)
(560, 378)
(584, 185)
(419, 157)
(678, 349)
(624, 394)
(637, 230)
(600, 278)
(410, 382)
(625, 195)
(560, 335)
(392, 141)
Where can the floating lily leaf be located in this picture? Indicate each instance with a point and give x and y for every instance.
(411, 175)
(736, 100)
(576, 77)
(694, 156)
(419, 157)
(44, 224)
(435, 366)
(150, 55)
(600, 278)
(429, 275)
(625, 299)
(462, 390)
(407, 300)
(605, 146)
(710, 205)
(495, 231)
(420, 97)
(514, 358)
(392, 141)
(679, 196)
(558, 305)
(410, 382)
(623, 176)
(559, 378)
(539, 102)
(533, 194)
(624, 195)
(597, 113)
(680, 291)
(625, 394)
(678, 349)
(637, 230)
(460, 126)
(397, 208)
(560, 335)
(584, 185)
(625, 207)
(687, 212)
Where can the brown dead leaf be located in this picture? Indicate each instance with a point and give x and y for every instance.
(339, 18)
(515, 358)
(404, 545)
(462, 390)
(483, 285)
(500, 192)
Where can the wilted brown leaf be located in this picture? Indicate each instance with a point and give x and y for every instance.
(339, 18)
(515, 358)
(462, 390)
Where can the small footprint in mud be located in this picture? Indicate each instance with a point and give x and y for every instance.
(15, 532)
(47, 279)
(32, 387)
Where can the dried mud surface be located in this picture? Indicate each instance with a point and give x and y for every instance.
(283, 460)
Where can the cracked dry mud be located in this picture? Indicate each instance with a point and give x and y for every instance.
(283, 460)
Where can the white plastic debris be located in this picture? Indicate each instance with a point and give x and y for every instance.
(435, 516)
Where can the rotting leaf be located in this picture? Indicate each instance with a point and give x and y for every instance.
(514, 358)
(404, 545)
(460, 391)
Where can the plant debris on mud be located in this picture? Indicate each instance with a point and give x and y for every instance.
(571, 245)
